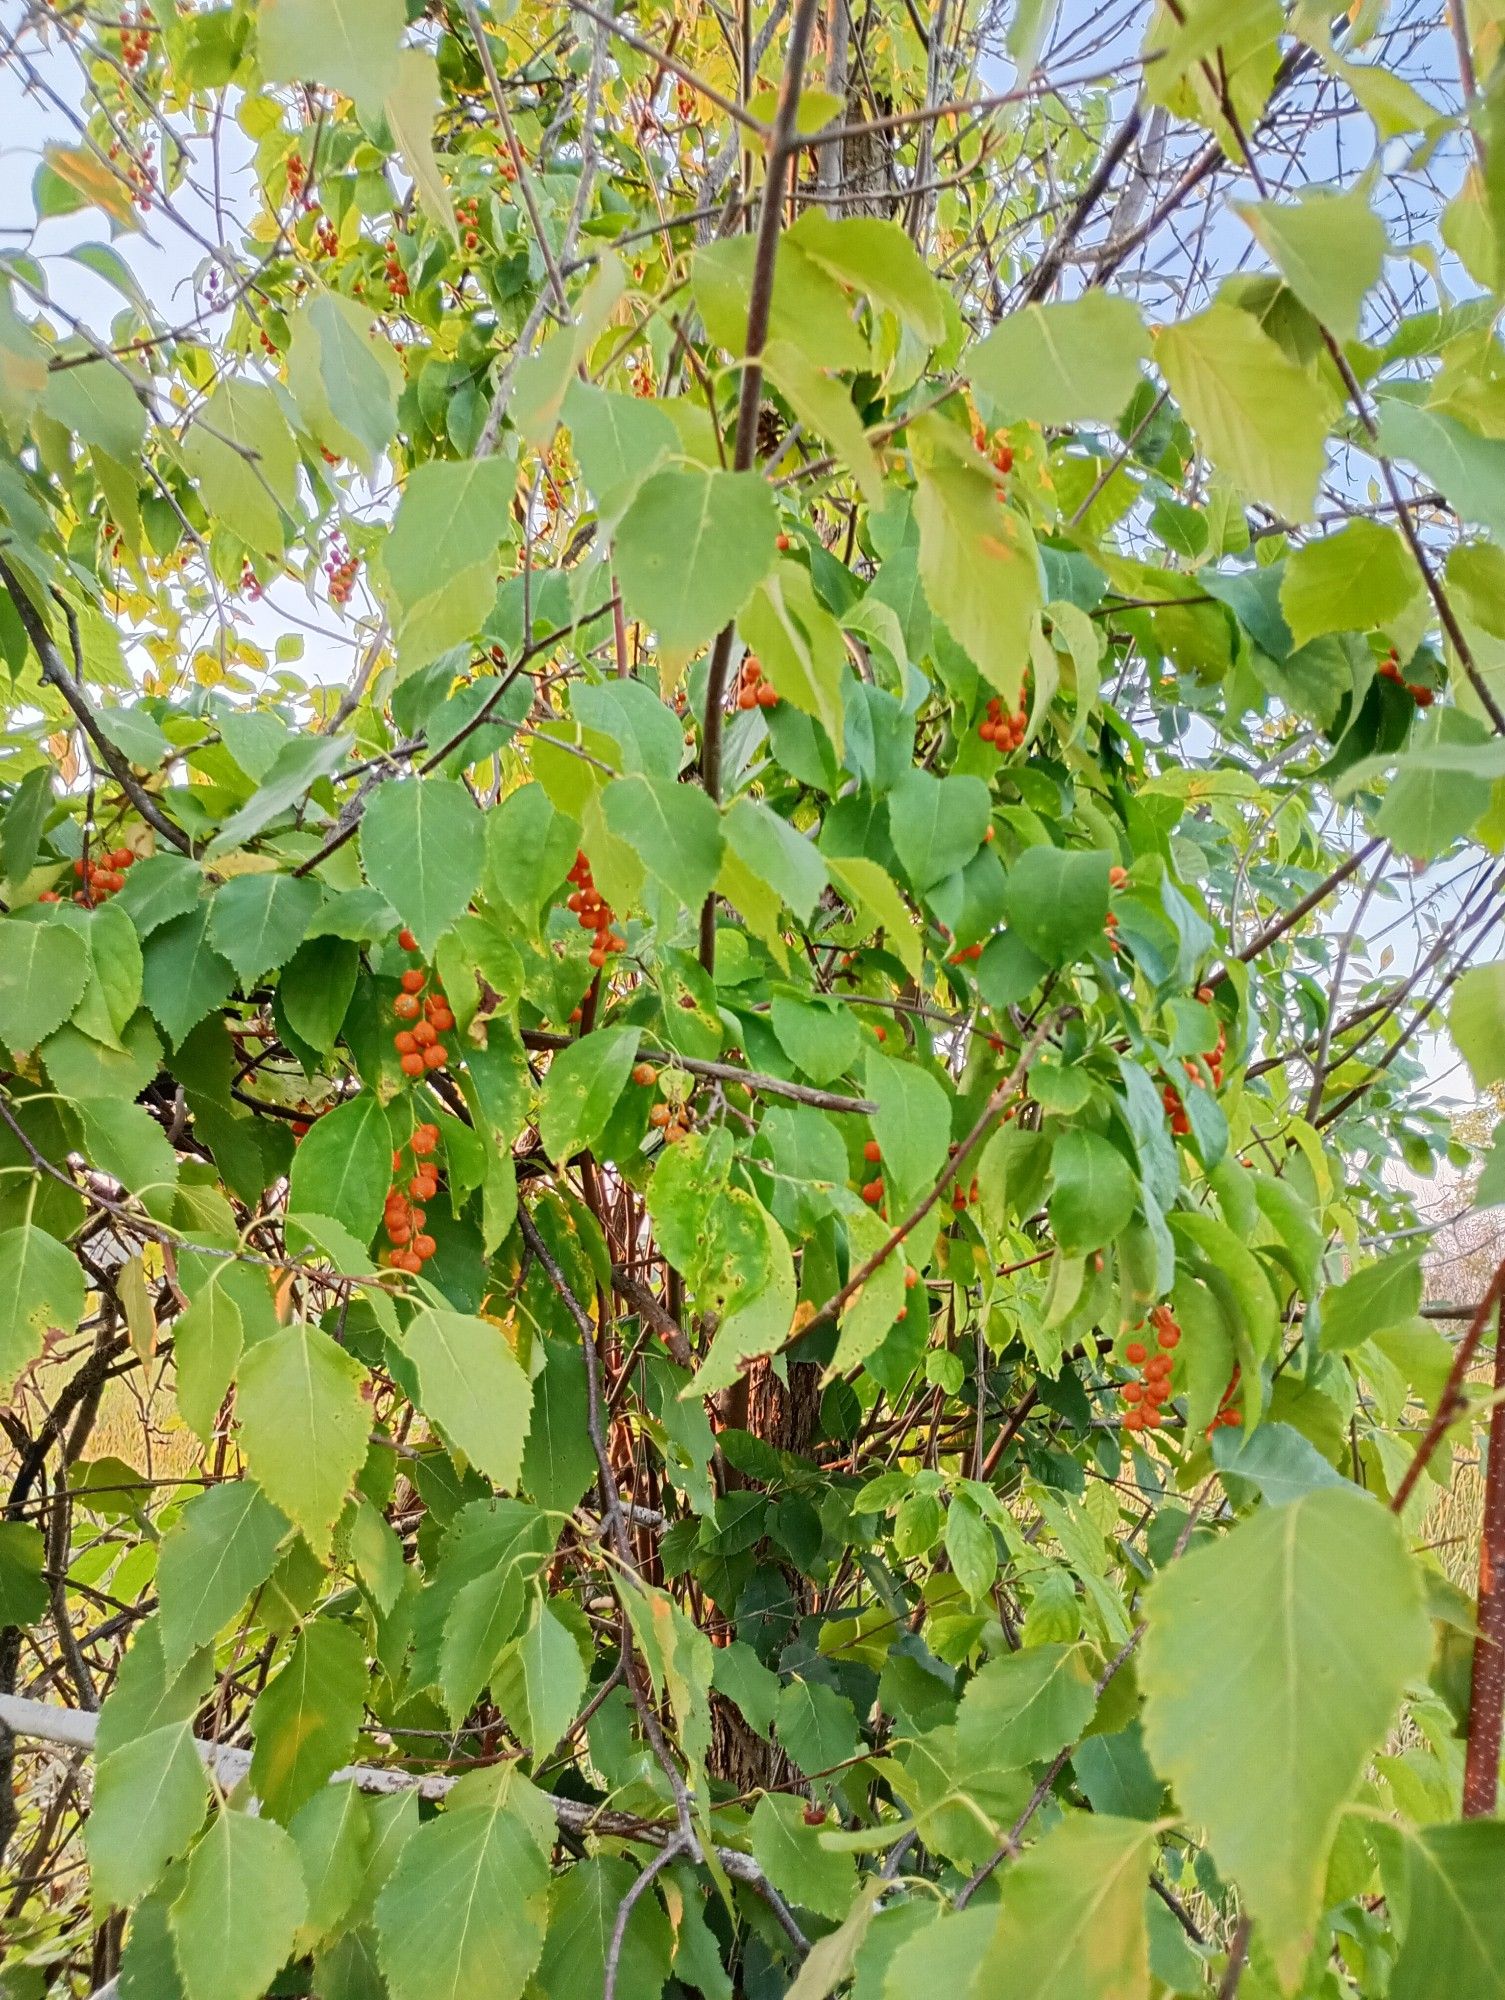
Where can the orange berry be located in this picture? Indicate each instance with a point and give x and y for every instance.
(1133, 1392)
(436, 1056)
(404, 1041)
(1117, 877)
(911, 1277)
(414, 980)
(412, 1064)
(658, 1114)
(407, 940)
(872, 1193)
(673, 1133)
(406, 1007)
(781, 543)
(1169, 1336)
(1135, 1352)
(872, 1152)
(644, 1073)
(425, 1034)
(424, 1247)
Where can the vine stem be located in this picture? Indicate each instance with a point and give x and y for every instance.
(782, 148)
(1451, 1402)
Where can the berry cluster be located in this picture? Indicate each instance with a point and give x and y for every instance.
(1229, 1414)
(396, 276)
(409, 1247)
(1175, 1110)
(1145, 1392)
(963, 1197)
(135, 43)
(872, 1191)
(341, 568)
(684, 101)
(964, 952)
(642, 378)
(326, 238)
(297, 177)
(1004, 732)
(468, 215)
(1419, 692)
(673, 1115)
(268, 345)
(99, 878)
(593, 912)
(250, 583)
(418, 1046)
(752, 690)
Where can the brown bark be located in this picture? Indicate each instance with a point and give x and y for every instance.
(1486, 1701)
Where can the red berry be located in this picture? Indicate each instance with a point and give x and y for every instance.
(414, 981)
(407, 940)
(872, 1152)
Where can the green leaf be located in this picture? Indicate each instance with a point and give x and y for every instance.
(463, 1914)
(1071, 1915)
(183, 976)
(581, 1090)
(1476, 1022)
(1063, 364)
(620, 441)
(44, 969)
(41, 1287)
(346, 379)
(791, 1856)
(1024, 1707)
(23, 1590)
(257, 922)
(691, 548)
(149, 1801)
(423, 844)
(470, 1384)
(1278, 1461)
(1056, 901)
(674, 830)
(222, 1547)
(936, 824)
(316, 988)
(159, 888)
(878, 258)
(816, 1726)
(99, 405)
(912, 1126)
(305, 1721)
(1455, 1933)
(583, 1905)
(1310, 1617)
(241, 1904)
(297, 765)
(126, 1142)
(800, 647)
(1093, 1194)
(333, 1834)
(440, 557)
(1329, 248)
(978, 560)
(349, 44)
(207, 1341)
(26, 810)
(245, 465)
(412, 109)
(1351, 581)
(786, 860)
(145, 1696)
(343, 1167)
(540, 1685)
(1469, 469)
(1259, 418)
(1377, 1297)
(304, 1426)
(970, 1547)
(820, 1037)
